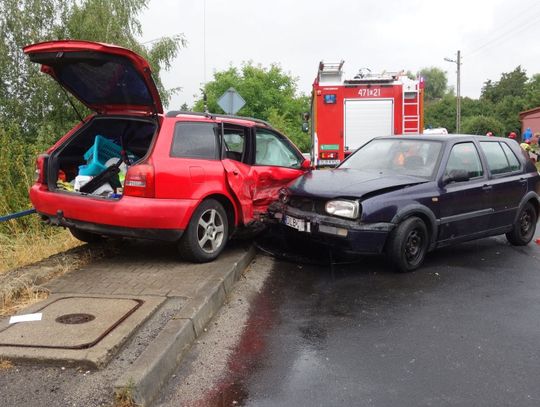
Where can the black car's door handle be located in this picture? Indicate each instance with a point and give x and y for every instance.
(487, 187)
(522, 181)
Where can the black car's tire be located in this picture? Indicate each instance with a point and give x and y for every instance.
(408, 244)
(85, 236)
(525, 226)
(207, 233)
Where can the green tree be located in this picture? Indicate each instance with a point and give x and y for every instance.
(435, 83)
(34, 111)
(482, 124)
(441, 113)
(270, 94)
(532, 92)
(511, 84)
(33, 99)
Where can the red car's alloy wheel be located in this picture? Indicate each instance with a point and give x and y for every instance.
(210, 231)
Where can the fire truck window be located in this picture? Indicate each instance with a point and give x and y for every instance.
(272, 150)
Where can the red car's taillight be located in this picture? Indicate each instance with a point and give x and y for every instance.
(39, 174)
(140, 181)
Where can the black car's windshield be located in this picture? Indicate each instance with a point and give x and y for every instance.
(403, 156)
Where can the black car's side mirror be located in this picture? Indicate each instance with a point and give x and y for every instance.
(456, 176)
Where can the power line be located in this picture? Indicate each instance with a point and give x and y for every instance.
(511, 31)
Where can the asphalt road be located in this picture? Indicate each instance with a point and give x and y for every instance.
(464, 330)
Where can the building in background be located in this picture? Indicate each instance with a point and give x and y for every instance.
(530, 119)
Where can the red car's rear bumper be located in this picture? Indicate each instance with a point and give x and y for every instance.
(120, 217)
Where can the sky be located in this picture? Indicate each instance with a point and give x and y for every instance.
(494, 36)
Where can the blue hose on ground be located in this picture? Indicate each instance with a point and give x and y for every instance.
(17, 215)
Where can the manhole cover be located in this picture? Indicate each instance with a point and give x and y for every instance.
(70, 323)
(75, 318)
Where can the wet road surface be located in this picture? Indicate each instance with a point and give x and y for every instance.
(464, 330)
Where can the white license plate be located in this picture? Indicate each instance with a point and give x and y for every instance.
(295, 223)
(328, 162)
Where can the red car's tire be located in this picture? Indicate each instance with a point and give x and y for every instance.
(207, 233)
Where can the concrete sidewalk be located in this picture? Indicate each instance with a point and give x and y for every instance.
(92, 312)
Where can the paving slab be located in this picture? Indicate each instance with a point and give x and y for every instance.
(112, 298)
(90, 344)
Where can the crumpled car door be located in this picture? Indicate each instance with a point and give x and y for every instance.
(277, 163)
(242, 182)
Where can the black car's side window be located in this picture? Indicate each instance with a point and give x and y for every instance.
(497, 160)
(195, 140)
(512, 159)
(464, 156)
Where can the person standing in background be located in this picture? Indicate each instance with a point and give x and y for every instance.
(527, 134)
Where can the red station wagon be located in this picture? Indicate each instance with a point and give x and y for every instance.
(129, 170)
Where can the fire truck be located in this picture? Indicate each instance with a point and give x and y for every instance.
(347, 113)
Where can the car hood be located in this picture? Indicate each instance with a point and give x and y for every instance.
(104, 77)
(350, 183)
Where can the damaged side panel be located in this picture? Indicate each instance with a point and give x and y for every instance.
(256, 187)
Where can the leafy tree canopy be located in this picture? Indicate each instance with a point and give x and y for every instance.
(33, 99)
(482, 125)
(435, 83)
(499, 105)
(511, 84)
(270, 94)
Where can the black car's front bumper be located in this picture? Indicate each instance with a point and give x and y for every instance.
(347, 235)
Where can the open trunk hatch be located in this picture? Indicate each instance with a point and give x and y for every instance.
(106, 78)
(100, 153)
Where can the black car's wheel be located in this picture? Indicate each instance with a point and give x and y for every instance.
(85, 236)
(408, 244)
(207, 233)
(525, 226)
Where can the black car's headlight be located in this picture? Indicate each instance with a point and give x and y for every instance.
(343, 208)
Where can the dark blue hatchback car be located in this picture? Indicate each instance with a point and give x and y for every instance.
(407, 195)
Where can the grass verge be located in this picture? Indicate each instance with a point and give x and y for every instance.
(28, 247)
(21, 284)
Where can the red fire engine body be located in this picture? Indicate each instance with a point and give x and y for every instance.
(346, 113)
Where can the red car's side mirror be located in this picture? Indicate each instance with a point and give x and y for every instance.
(306, 164)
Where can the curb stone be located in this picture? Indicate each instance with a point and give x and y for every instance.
(162, 357)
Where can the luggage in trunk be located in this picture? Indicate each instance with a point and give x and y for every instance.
(95, 159)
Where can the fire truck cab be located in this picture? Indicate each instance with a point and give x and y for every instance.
(347, 113)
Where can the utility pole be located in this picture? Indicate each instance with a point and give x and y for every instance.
(458, 90)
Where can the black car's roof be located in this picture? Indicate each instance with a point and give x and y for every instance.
(441, 137)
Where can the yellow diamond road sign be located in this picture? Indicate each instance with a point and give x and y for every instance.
(231, 101)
